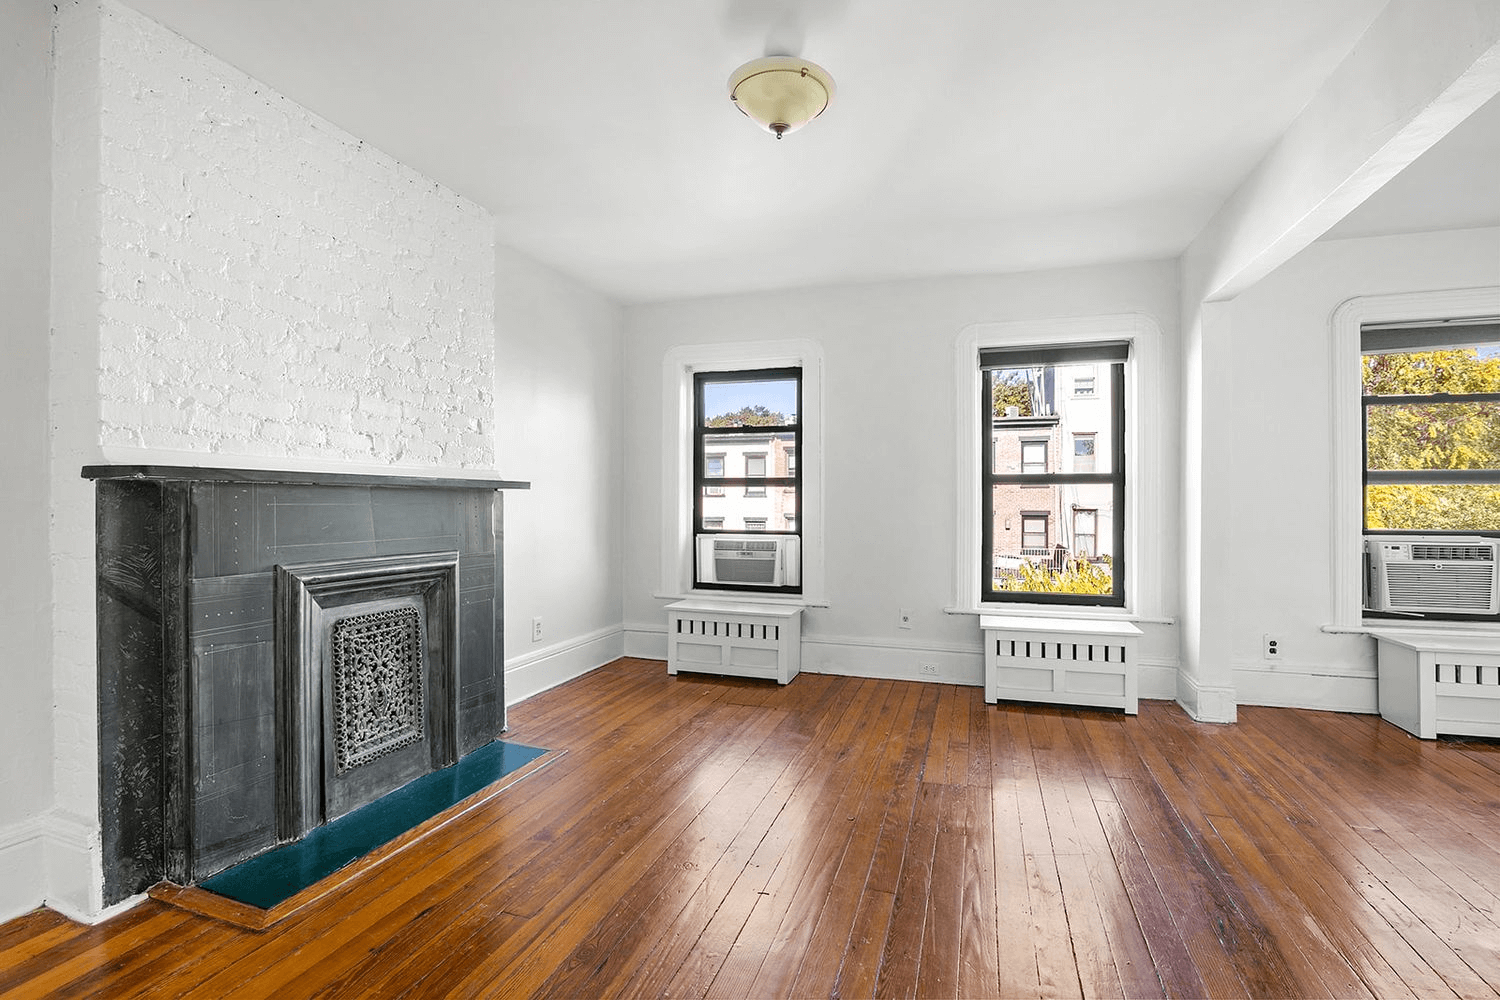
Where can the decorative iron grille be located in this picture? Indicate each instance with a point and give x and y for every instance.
(377, 685)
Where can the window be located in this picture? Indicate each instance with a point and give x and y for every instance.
(1083, 385)
(1027, 406)
(1034, 533)
(713, 468)
(1033, 457)
(791, 461)
(755, 468)
(1431, 438)
(1085, 533)
(1083, 451)
(741, 418)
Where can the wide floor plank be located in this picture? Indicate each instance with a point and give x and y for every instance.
(703, 836)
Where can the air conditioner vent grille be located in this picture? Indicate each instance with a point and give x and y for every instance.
(1458, 588)
(1429, 552)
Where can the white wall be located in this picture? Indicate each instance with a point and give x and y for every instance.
(559, 425)
(890, 445)
(25, 584)
(1281, 444)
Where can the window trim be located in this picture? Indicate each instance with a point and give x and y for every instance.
(1150, 494)
(1346, 521)
(675, 544)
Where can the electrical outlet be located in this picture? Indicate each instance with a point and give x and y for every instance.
(1270, 647)
(930, 669)
(536, 629)
(903, 618)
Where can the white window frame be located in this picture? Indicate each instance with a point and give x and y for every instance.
(1347, 517)
(1146, 487)
(679, 365)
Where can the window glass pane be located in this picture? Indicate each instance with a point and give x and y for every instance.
(1432, 507)
(1042, 543)
(776, 506)
(1471, 368)
(1433, 436)
(754, 403)
(1039, 405)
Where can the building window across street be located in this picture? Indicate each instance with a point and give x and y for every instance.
(755, 468)
(1034, 532)
(746, 434)
(1083, 451)
(713, 468)
(1039, 402)
(1085, 533)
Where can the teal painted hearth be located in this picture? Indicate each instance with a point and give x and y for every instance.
(282, 872)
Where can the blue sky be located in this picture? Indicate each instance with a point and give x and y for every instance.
(727, 397)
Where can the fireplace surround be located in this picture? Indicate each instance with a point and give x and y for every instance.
(226, 599)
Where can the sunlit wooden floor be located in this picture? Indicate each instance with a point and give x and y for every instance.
(712, 837)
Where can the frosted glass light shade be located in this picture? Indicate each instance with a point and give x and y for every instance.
(781, 93)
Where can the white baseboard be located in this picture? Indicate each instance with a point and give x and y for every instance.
(75, 869)
(1205, 703)
(23, 867)
(646, 640)
(53, 860)
(1156, 679)
(854, 656)
(537, 670)
(1298, 686)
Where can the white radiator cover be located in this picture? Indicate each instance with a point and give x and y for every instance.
(1089, 663)
(734, 638)
(1433, 682)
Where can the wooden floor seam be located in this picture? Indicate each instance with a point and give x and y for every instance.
(855, 837)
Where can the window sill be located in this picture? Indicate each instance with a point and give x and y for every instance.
(732, 597)
(1063, 614)
(1371, 627)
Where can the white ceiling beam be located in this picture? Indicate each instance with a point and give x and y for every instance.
(1421, 69)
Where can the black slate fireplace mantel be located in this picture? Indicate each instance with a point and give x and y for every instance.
(194, 711)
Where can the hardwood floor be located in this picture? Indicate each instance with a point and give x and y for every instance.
(711, 837)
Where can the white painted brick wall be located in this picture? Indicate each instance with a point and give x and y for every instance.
(272, 286)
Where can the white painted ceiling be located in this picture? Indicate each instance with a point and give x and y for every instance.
(968, 136)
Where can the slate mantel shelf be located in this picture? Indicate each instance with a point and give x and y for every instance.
(196, 474)
(187, 559)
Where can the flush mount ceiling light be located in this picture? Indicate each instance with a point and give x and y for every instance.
(781, 93)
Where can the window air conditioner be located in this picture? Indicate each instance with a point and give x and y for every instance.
(1433, 574)
(753, 560)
